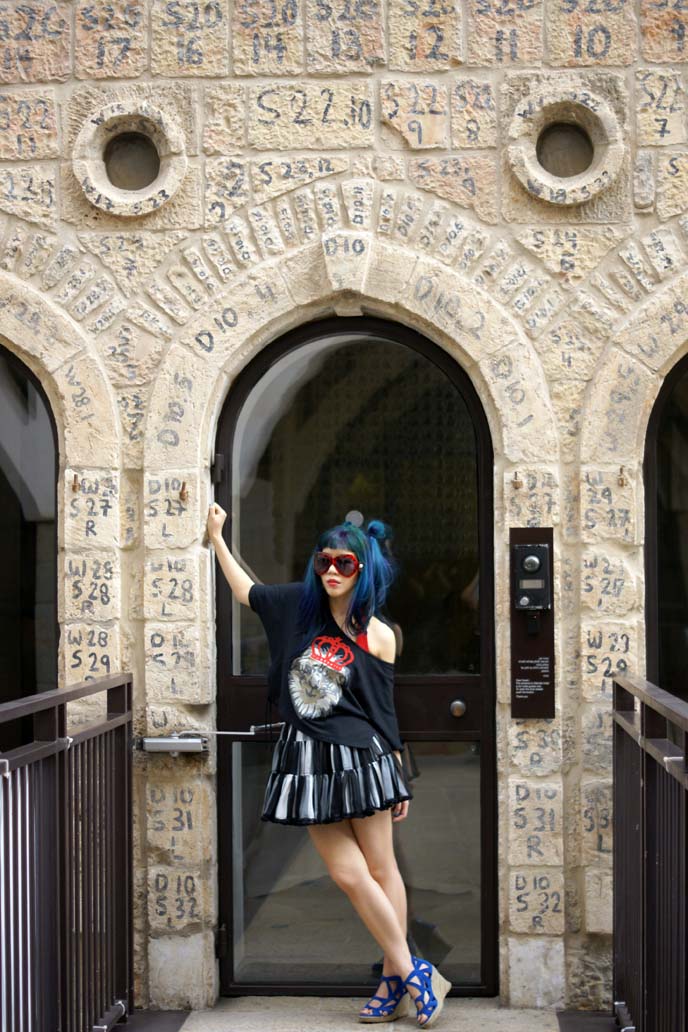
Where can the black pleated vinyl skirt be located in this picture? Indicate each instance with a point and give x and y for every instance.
(315, 782)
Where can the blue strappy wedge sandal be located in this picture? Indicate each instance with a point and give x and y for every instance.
(390, 1007)
(432, 987)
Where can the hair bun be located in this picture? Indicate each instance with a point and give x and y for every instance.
(378, 530)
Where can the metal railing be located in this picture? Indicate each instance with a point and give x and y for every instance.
(65, 865)
(649, 858)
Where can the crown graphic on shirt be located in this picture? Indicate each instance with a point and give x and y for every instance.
(331, 652)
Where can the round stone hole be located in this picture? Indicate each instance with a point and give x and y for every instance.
(131, 161)
(564, 150)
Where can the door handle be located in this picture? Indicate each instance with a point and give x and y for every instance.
(457, 708)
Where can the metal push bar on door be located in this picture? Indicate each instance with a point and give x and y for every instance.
(191, 742)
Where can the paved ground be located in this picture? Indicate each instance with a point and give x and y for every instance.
(339, 1014)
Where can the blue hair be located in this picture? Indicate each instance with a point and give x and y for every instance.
(380, 568)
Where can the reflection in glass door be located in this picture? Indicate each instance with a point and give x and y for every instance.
(362, 414)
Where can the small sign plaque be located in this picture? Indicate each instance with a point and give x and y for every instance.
(532, 629)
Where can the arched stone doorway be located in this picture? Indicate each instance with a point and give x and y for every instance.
(343, 414)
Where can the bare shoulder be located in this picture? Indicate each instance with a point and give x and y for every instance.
(381, 640)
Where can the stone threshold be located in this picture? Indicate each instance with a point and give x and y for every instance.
(339, 1014)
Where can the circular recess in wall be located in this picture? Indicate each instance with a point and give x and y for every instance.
(565, 146)
(564, 150)
(129, 159)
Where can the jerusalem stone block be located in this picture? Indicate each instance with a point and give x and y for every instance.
(589, 972)
(87, 405)
(38, 328)
(131, 407)
(91, 513)
(596, 829)
(195, 956)
(36, 41)
(469, 180)
(536, 502)
(445, 299)
(267, 38)
(346, 258)
(176, 664)
(473, 113)
(536, 900)
(672, 183)
(130, 509)
(231, 319)
(28, 191)
(546, 956)
(621, 394)
(424, 36)
(578, 35)
(390, 270)
(664, 251)
(504, 34)
(90, 586)
(171, 586)
(345, 36)
(111, 39)
(28, 125)
(226, 189)
(189, 41)
(180, 811)
(514, 379)
(131, 256)
(606, 649)
(132, 356)
(176, 407)
(570, 349)
(644, 180)
(598, 901)
(416, 112)
(596, 729)
(270, 178)
(305, 274)
(225, 117)
(89, 651)
(608, 507)
(535, 821)
(653, 337)
(535, 746)
(180, 899)
(608, 584)
(170, 521)
(570, 252)
(663, 32)
(310, 115)
(660, 107)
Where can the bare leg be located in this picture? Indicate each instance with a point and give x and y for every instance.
(347, 867)
(374, 836)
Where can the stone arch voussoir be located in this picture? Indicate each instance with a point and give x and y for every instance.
(349, 271)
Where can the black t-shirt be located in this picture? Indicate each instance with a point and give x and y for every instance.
(334, 690)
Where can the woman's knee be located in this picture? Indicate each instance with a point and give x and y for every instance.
(384, 871)
(347, 876)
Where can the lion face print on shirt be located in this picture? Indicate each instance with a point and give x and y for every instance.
(318, 676)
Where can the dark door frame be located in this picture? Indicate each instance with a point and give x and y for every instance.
(651, 521)
(471, 687)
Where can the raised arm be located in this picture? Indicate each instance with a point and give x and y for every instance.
(238, 580)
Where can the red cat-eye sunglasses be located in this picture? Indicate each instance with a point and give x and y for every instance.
(346, 564)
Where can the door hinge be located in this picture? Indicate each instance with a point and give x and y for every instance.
(217, 470)
(221, 941)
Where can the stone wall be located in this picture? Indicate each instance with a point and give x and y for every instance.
(323, 156)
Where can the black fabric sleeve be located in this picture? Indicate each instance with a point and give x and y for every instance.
(269, 600)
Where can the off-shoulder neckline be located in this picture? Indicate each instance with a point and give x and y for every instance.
(378, 659)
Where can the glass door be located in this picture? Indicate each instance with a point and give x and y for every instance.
(362, 414)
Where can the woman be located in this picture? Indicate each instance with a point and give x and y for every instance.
(337, 765)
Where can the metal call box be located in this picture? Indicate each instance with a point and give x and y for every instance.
(530, 577)
(531, 619)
